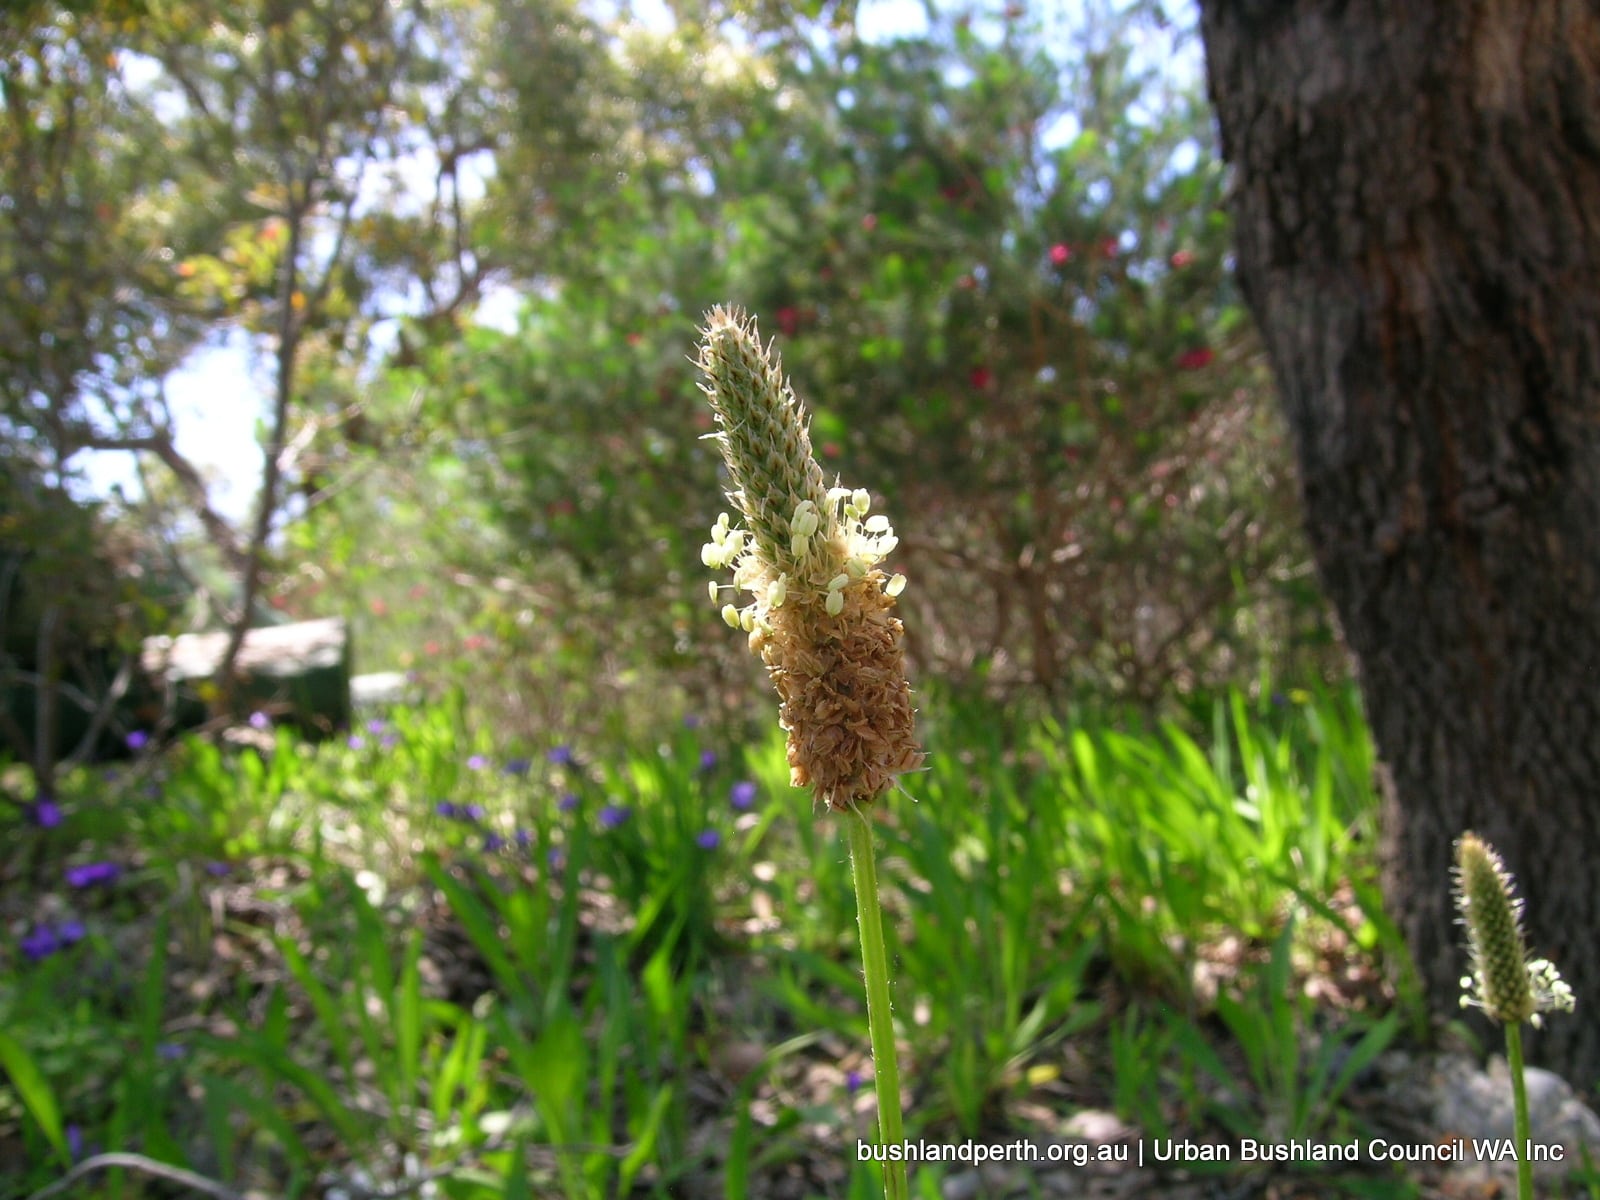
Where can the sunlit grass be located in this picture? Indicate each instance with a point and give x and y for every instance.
(543, 969)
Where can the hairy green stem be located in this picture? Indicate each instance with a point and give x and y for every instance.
(880, 1018)
(1519, 1111)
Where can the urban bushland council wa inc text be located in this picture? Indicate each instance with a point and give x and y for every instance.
(1168, 1150)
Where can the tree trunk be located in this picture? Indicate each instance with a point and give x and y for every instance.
(1417, 200)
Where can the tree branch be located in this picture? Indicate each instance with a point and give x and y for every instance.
(101, 713)
(136, 1162)
(289, 330)
(194, 488)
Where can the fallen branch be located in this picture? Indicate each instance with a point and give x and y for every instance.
(137, 1162)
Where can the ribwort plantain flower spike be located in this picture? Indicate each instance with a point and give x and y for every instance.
(1509, 988)
(1504, 983)
(820, 613)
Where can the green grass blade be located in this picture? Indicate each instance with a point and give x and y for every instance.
(480, 930)
(644, 1141)
(274, 1060)
(407, 1015)
(327, 1010)
(36, 1094)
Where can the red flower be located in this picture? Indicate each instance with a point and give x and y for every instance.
(430, 647)
(1110, 246)
(869, 222)
(378, 607)
(981, 377)
(789, 320)
(635, 338)
(475, 641)
(830, 449)
(1182, 259)
(1060, 254)
(966, 283)
(1193, 360)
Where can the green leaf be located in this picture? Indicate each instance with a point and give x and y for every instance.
(323, 1005)
(407, 1014)
(644, 1140)
(517, 1185)
(36, 1094)
(557, 1069)
(259, 1051)
(480, 929)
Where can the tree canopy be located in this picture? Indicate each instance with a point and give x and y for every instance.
(992, 250)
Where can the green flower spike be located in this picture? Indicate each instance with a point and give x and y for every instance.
(1504, 983)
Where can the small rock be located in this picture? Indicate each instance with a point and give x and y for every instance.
(1097, 1127)
(1476, 1105)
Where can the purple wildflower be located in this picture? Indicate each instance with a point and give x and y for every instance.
(356, 741)
(375, 726)
(852, 1082)
(40, 944)
(45, 813)
(493, 843)
(708, 839)
(90, 874)
(568, 802)
(260, 722)
(523, 838)
(445, 809)
(137, 740)
(70, 932)
(471, 812)
(613, 815)
(562, 756)
(743, 795)
(708, 760)
(557, 858)
(74, 1141)
(477, 762)
(217, 869)
(517, 766)
(388, 741)
(169, 1051)
(691, 721)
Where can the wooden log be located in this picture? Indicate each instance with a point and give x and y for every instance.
(298, 673)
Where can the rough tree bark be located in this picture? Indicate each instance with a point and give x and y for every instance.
(1417, 198)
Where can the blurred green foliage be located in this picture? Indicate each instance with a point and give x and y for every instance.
(581, 972)
(994, 259)
(991, 248)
